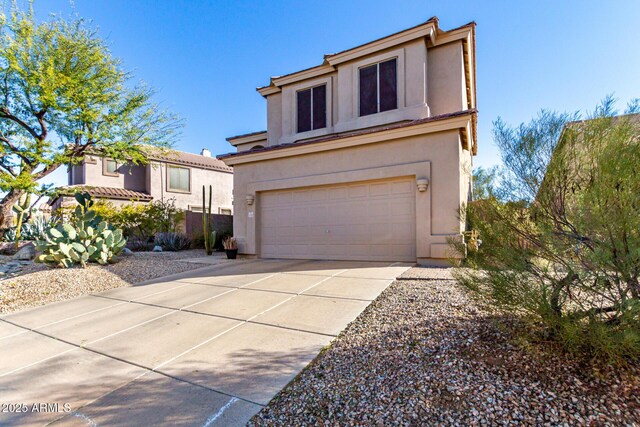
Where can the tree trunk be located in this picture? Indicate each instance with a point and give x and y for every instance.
(6, 207)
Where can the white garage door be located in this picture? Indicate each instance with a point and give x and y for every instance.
(373, 221)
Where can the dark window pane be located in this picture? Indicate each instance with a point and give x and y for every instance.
(304, 110)
(320, 107)
(368, 90)
(388, 85)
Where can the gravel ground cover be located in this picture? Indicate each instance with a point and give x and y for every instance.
(423, 353)
(427, 273)
(39, 284)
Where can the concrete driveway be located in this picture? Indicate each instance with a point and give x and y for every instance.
(208, 347)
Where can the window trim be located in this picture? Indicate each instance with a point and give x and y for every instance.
(358, 121)
(168, 179)
(377, 64)
(105, 161)
(289, 110)
(311, 88)
(224, 208)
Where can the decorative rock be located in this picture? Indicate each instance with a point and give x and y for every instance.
(127, 252)
(27, 252)
(157, 248)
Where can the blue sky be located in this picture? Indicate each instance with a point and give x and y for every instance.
(207, 57)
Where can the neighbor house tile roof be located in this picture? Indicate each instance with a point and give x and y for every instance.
(103, 192)
(187, 159)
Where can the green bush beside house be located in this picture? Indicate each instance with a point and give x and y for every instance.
(561, 244)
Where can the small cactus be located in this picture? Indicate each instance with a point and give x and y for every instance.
(21, 208)
(209, 235)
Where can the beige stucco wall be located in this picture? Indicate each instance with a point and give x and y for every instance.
(222, 182)
(130, 176)
(434, 156)
(274, 118)
(431, 81)
(445, 77)
(342, 96)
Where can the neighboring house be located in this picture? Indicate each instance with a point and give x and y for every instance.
(572, 152)
(366, 156)
(170, 174)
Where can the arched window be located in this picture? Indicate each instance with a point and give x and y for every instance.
(257, 147)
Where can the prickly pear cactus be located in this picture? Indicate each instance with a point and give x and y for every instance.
(85, 238)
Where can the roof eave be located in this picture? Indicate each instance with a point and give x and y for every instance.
(428, 29)
(247, 138)
(459, 120)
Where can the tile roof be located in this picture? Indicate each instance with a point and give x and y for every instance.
(188, 159)
(103, 192)
(178, 157)
(348, 134)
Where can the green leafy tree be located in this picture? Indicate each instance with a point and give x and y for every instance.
(563, 247)
(484, 182)
(63, 94)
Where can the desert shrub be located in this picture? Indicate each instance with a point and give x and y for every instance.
(38, 226)
(170, 241)
(562, 247)
(86, 237)
(35, 229)
(140, 245)
(140, 222)
(165, 215)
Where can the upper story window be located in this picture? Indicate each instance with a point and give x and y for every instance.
(378, 87)
(109, 167)
(312, 108)
(178, 179)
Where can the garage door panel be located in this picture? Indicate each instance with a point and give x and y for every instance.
(301, 196)
(402, 210)
(379, 208)
(360, 221)
(319, 195)
(285, 198)
(403, 187)
(379, 189)
(358, 191)
(339, 193)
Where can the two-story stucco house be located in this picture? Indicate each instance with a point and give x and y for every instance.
(366, 156)
(170, 174)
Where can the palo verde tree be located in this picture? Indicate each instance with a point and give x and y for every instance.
(562, 246)
(62, 94)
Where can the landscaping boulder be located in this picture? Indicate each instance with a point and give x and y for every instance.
(157, 248)
(126, 252)
(26, 253)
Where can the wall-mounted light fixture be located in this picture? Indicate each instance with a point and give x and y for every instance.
(250, 200)
(423, 184)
